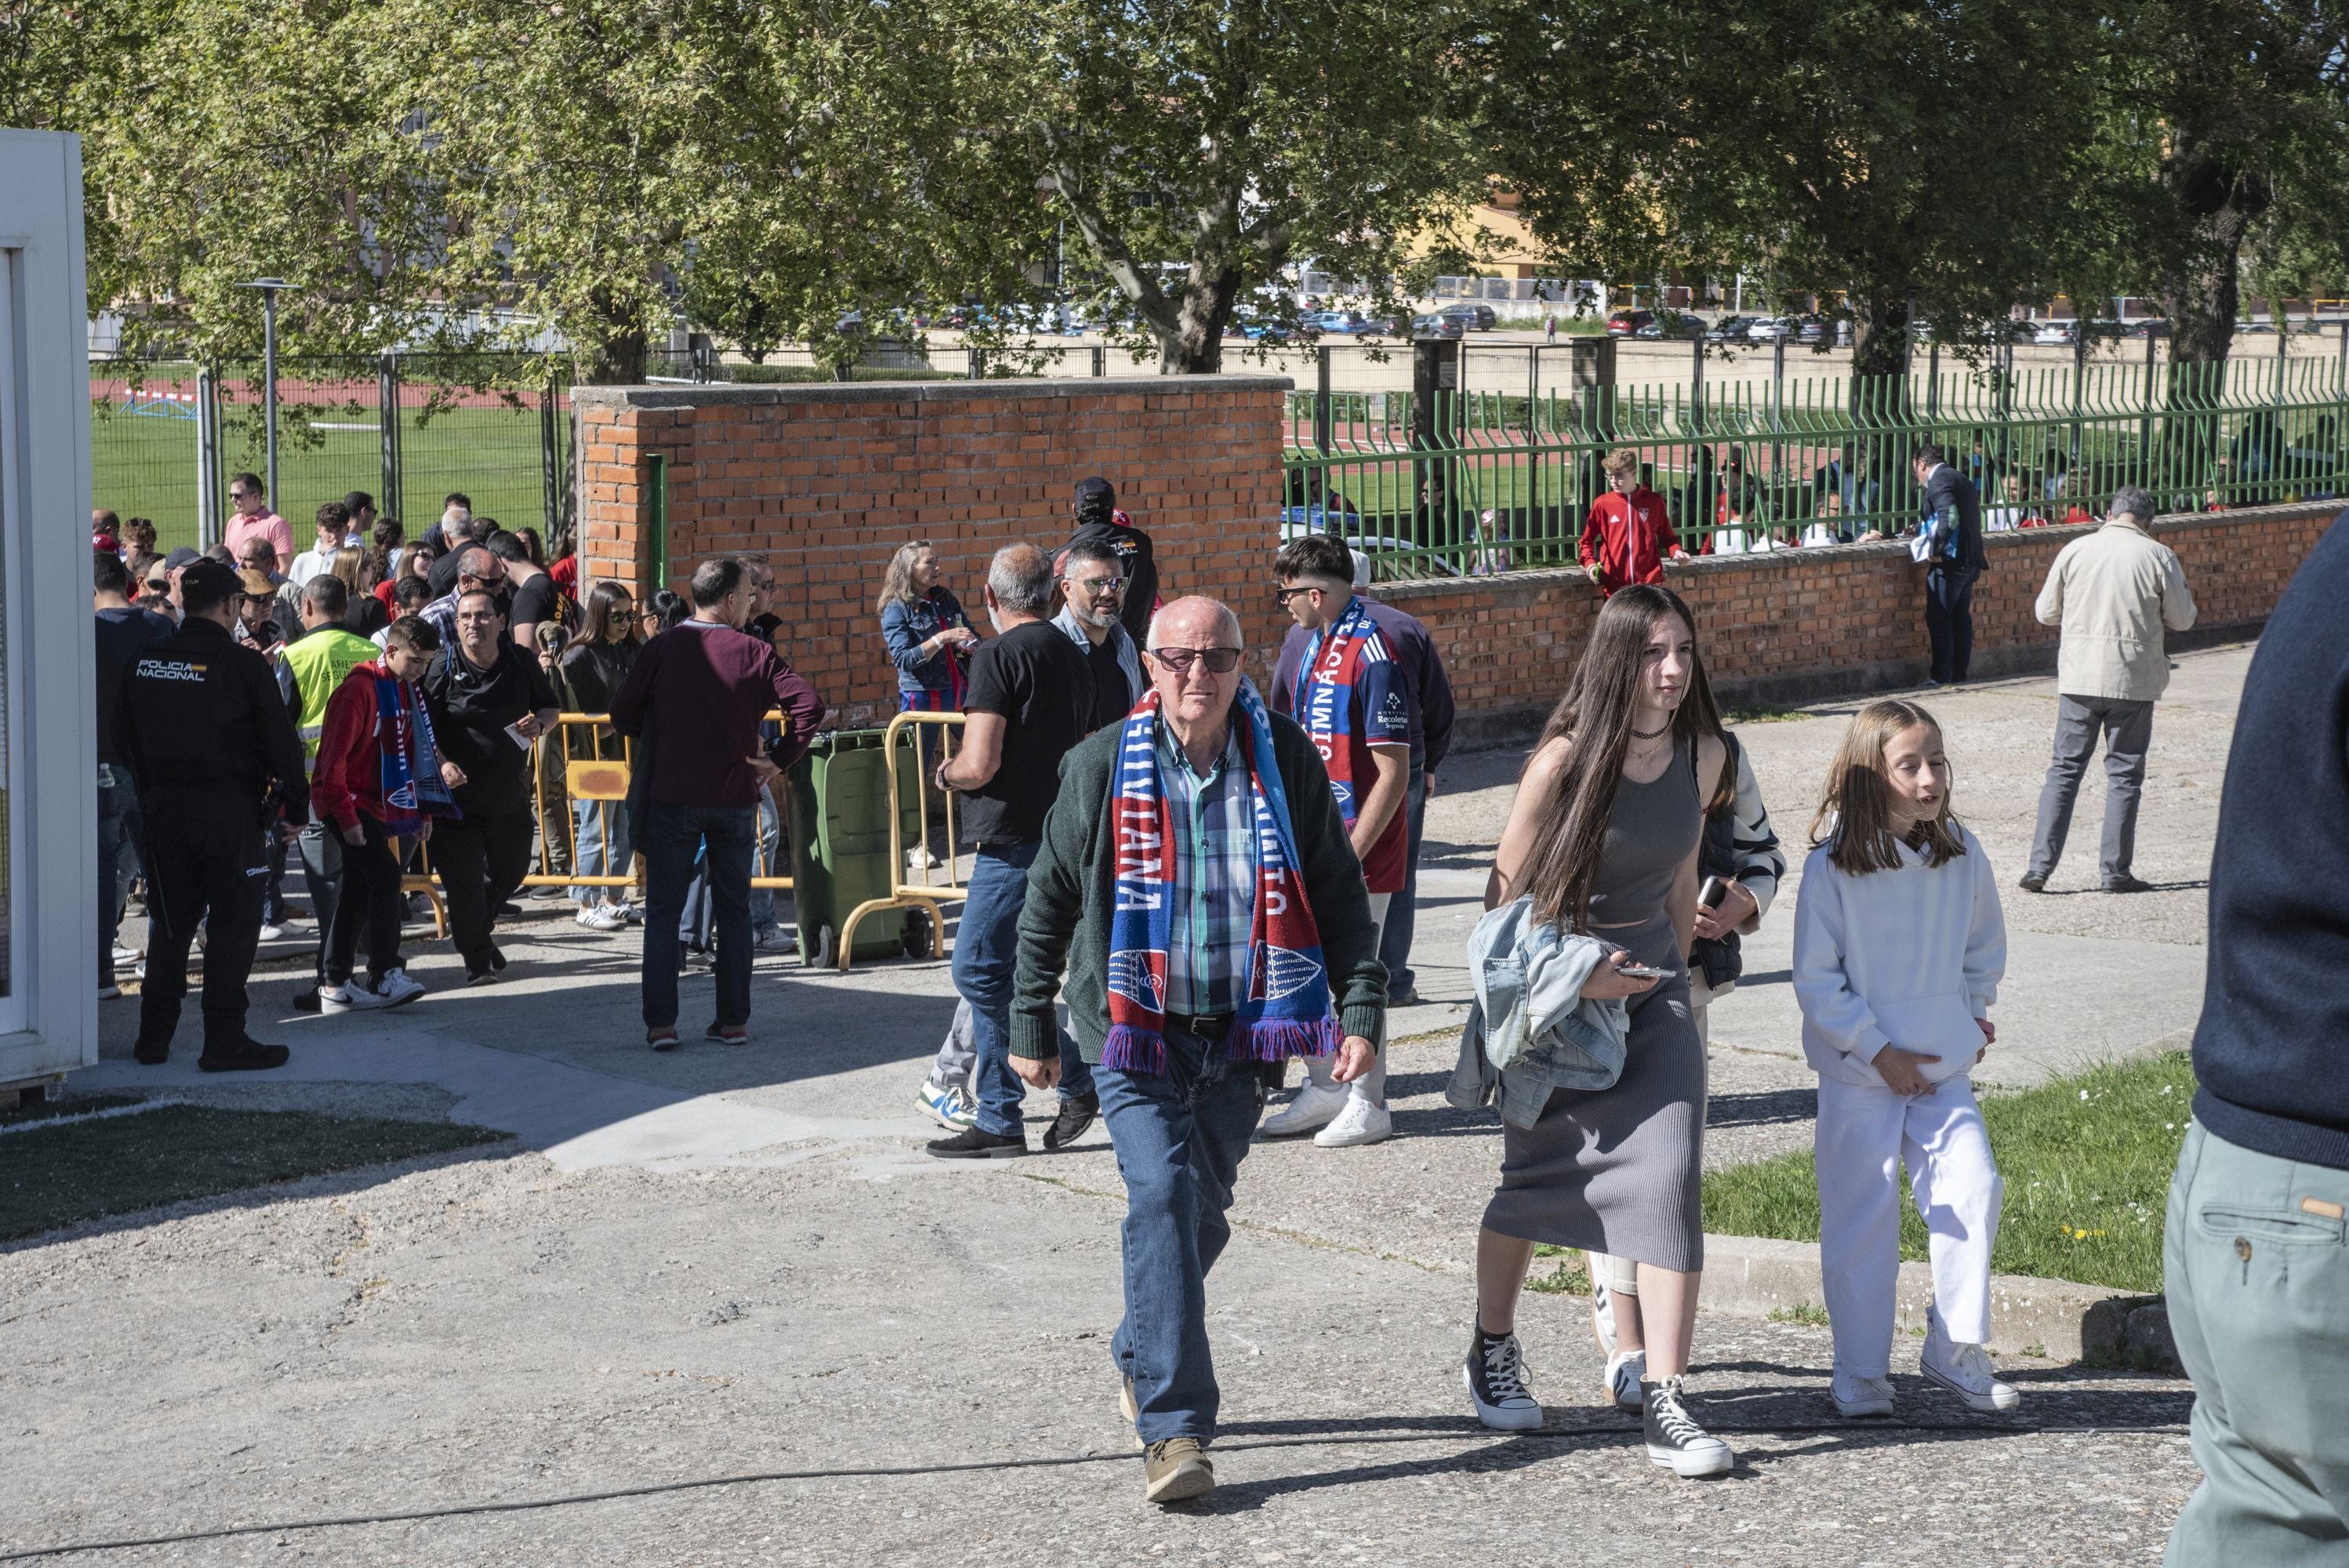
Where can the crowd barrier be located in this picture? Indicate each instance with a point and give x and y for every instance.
(939, 876)
(599, 779)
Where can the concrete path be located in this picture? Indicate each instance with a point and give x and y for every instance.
(725, 1260)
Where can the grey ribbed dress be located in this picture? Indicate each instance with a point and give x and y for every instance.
(1616, 1170)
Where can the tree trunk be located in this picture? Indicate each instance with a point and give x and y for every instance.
(617, 361)
(1195, 346)
(2201, 301)
(1879, 338)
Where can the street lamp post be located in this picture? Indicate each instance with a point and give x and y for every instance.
(269, 288)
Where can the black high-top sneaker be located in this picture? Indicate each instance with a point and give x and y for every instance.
(1675, 1441)
(1496, 1376)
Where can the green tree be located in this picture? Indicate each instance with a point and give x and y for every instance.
(1198, 150)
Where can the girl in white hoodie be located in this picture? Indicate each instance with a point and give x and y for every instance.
(1898, 947)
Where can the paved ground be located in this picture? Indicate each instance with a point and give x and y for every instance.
(728, 1262)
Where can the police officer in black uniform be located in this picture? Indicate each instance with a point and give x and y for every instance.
(214, 754)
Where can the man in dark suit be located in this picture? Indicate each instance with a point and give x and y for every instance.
(1950, 544)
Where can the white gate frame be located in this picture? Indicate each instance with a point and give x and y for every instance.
(48, 1019)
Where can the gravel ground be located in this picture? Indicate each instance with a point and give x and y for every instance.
(484, 1331)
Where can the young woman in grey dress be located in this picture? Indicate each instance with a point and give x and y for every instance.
(1604, 836)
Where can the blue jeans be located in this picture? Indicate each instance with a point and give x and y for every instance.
(986, 952)
(675, 839)
(1179, 1140)
(1394, 938)
(592, 856)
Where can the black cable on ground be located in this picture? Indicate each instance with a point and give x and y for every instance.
(1048, 1462)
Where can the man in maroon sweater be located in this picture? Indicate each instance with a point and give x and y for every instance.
(693, 702)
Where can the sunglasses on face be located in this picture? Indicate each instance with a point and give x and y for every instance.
(1100, 585)
(1177, 660)
(1281, 596)
(158, 585)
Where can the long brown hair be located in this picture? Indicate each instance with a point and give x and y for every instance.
(1854, 815)
(897, 582)
(1595, 715)
(602, 620)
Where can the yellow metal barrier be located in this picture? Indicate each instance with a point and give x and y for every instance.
(559, 778)
(941, 879)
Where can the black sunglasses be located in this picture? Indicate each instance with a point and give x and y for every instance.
(1281, 596)
(1219, 661)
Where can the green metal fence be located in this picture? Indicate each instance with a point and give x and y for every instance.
(1444, 483)
(406, 428)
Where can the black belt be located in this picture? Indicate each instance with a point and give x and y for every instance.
(1207, 1026)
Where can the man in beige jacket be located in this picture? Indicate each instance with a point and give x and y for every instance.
(2113, 592)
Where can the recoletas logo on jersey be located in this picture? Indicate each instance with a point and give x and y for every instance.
(172, 669)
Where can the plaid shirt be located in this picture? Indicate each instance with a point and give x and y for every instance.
(1215, 877)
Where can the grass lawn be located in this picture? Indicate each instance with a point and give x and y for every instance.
(2087, 1161)
(59, 1176)
(143, 464)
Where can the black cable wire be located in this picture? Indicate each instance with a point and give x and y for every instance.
(1048, 1461)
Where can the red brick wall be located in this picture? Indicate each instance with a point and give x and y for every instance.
(828, 481)
(1804, 623)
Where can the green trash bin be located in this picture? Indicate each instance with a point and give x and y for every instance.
(839, 833)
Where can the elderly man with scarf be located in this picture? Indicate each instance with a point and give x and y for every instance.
(1197, 885)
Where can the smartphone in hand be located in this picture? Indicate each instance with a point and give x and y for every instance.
(1713, 891)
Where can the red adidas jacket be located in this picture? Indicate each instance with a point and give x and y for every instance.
(1628, 538)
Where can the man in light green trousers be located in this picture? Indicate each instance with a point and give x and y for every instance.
(2257, 1248)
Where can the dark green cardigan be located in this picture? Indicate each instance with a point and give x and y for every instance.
(1071, 891)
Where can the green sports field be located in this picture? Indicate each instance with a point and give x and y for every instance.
(143, 459)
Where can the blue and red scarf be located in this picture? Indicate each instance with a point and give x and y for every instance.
(1287, 1011)
(411, 759)
(1325, 694)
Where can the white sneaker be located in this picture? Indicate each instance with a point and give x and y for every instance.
(599, 917)
(1855, 1396)
(1624, 1370)
(1316, 1105)
(108, 993)
(1496, 1380)
(1965, 1370)
(629, 913)
(769, 940)
(351, 996)
(1602, 1311)
(272, 934)
(124, 958)
(949, 1108)
(397, 990)
(1358, 1123)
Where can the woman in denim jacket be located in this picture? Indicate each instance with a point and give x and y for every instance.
(929, 636)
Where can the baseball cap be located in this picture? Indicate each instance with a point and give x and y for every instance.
(207, 580)
(181, 556)
(1096, 500)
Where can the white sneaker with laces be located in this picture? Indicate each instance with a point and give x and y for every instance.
(627, 911)
(599, 917)
(1855, 1396)
(1494, 1374)
(124, 958)
(1602, 1311)
(949, 1108)
(1965, 1370)
(1624, 1370)
(351, 996)
(1358, 1122)
(399, 990)
(1316, 1105)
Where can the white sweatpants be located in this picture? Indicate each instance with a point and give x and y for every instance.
(1864, 1133)
(1373, 1085)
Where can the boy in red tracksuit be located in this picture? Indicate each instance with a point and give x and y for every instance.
(378, 779)
(1627, 538)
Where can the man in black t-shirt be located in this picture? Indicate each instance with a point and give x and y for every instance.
(536, 596)
(487, 700)
(1031, 699)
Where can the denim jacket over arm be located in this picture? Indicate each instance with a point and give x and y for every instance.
(1530, 1029)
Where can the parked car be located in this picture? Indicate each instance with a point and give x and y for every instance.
(1473, 317)
(1627, 323)
(2056, 333)
(1439, 324)
(1672, 325)
(1334, 320)
(1732, 329)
